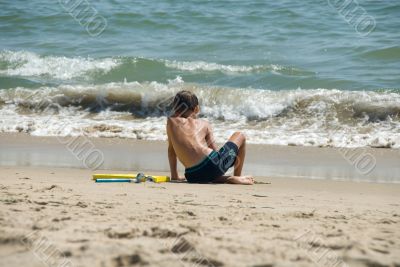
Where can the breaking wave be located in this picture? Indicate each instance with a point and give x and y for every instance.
(23, 63)
(317, 117)
(17, 64)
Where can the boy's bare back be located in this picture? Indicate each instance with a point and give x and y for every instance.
(191, 139)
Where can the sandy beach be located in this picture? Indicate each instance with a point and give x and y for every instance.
(57, 216)
(307, 91)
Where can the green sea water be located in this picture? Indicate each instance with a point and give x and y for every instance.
(287, 72)
(310, 41)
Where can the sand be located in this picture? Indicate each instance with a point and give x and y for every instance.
(59, 217)
(261, 160)
(53, 214)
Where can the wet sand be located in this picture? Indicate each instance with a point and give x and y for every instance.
(364, 164)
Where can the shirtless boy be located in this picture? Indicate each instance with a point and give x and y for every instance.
(191, 141)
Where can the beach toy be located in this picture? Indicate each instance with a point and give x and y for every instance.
(140, 177)
(113, 180)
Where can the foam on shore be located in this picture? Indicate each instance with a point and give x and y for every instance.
(318, 117)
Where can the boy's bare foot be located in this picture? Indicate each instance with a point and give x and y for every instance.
(248, 180)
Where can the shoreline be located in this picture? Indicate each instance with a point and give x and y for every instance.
(360, 164)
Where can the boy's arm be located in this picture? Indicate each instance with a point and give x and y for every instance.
(172, 157)
(210, 138)
(172, 161)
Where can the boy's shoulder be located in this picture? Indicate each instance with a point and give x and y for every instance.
(183, 119)
(180, 119)
(204, 121)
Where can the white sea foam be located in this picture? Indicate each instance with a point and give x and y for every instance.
(210, 66)
(29, 64)
(317, 117)
(23, 63)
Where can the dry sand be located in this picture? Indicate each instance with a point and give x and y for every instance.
(59, 217)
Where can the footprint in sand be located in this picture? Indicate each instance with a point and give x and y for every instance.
(12, 240)
(66, 254)
(121, 233)
(42, 203)
(222, 218)
(51, 187)
(259, 195)
(185, 247)
(190, 213)
(61, 219)
(81, 204)
(48, 188)
(78, 240)
(128, 260)
(11, 201)
(160, 233)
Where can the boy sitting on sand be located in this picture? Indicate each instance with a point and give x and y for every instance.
(191, 141)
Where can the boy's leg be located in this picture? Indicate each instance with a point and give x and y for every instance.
(240, 140)
(234, 180)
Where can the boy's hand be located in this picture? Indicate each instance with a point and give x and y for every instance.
(178, 178)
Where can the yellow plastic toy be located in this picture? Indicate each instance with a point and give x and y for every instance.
(140, 177)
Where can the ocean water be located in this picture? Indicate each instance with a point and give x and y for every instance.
(285, 72)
